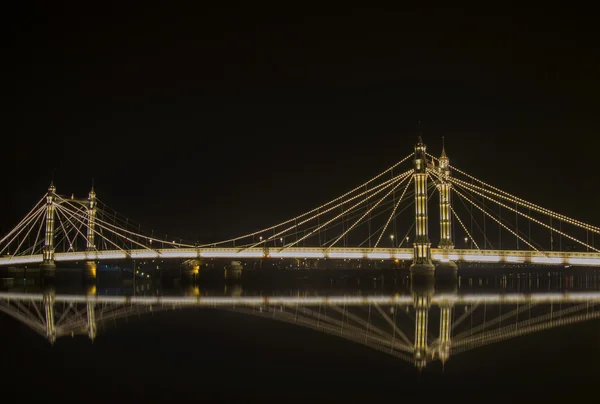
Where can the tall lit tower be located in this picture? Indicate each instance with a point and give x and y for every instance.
(90, 265)
(48, 265)
(422, 247)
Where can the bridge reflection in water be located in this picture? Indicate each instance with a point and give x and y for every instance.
(419, 327)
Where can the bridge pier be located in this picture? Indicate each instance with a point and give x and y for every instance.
(89, 272)
(190, 270)
(422, 264)
(233, 271)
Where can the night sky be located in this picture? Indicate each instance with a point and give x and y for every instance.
(211, 122)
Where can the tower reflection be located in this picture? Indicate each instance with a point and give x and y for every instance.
(433, 322)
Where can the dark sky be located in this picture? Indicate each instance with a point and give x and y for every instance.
(210, 122)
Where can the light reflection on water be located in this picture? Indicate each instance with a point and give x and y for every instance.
(431, 325)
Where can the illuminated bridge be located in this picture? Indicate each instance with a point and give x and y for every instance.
(418, 328)
(385, 218)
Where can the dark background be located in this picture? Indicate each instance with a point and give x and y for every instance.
(208, 122)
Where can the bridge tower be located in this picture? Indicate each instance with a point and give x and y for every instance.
(422, 263)
(90, 266)
(48, 266)
(444, 189)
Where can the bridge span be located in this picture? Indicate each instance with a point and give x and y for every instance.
(366, 223)
(348, 253)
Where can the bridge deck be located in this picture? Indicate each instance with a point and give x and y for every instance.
(438, 255)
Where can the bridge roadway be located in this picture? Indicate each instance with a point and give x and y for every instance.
(457, 255)
(347, 300)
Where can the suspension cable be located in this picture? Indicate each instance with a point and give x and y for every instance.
(505, 195)
(33, 211)
(394, 210)
(464, 227)
(381, 187)
(317, 208)
(32, 218)
(26, 236)
(536, 221)
(369, 211)
(497, 221)
(83, 222)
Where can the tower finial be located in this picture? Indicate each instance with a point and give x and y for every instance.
(443, 147)
(92, 184)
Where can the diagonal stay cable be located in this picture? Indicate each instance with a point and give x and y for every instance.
(382, 187)
(315, 209)
(493, 218)
(369, 211)
(534, 220)
(393, 211)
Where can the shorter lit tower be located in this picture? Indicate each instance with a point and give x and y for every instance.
(422, 246)
(91, 220)
(90, 264)
(48, 264)
(444, 189)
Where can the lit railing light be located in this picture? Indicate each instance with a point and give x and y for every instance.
(345, 255)
(383, 256)
(21, 260)
(250, 254)
(297, 254)
(178, 254)
(584, 261)
(547, 260)
(482, 258)
(144, 254)
(443, 258)
(227, 254)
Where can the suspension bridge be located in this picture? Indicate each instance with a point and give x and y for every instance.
(385, 218)
(398, 325)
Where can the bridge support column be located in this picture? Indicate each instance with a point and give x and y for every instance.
(233, 271)
(190, 270)
(90, 266)
(49, 316)
(48, 267)
(422, 264)
(446, 266)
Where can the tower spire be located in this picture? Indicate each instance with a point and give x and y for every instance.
(443, 148)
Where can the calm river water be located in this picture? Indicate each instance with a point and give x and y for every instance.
(488, 335)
